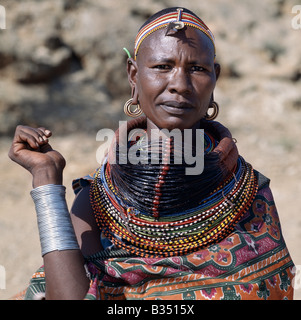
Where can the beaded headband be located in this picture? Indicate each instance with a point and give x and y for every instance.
(173, 21)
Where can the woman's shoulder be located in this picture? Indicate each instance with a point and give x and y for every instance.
(79, 183)
(263, 181)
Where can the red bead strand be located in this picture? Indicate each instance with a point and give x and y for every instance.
(161, 180)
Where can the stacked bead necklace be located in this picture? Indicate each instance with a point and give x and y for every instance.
(176, 233)
(163, 189)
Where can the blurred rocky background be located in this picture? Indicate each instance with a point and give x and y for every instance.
(62, 63)
(62, 66)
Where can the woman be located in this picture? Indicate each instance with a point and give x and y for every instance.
(149, 230)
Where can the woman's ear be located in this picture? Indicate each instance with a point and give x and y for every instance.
(132, 77)
(217, 69)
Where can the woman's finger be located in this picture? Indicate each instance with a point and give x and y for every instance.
(44, 133)
(41, 136)
(24, 137)
(34, 137)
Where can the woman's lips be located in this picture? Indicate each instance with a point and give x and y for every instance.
(174, 107)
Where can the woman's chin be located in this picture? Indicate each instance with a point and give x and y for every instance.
(175, 122)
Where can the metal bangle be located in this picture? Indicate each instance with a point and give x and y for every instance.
(54, 222)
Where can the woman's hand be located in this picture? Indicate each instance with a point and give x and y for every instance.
(31, 150)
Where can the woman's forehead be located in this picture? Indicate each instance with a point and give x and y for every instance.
(188, 41)
(171, 19)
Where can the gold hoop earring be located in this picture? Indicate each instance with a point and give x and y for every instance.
(132, 113)
(215, 112)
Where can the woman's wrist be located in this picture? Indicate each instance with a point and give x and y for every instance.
(42, 176)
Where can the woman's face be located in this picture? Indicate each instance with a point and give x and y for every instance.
(174, 77)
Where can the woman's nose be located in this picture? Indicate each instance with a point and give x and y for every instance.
(180, 82)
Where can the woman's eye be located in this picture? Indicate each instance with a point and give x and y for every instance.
(197, 68)
(162, 67)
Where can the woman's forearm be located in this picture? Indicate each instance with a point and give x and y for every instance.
(63, 261)
(65, 275)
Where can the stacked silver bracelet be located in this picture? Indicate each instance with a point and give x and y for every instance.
(54, 223)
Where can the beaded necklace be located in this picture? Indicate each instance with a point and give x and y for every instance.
(174, 234)
(163, 189)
